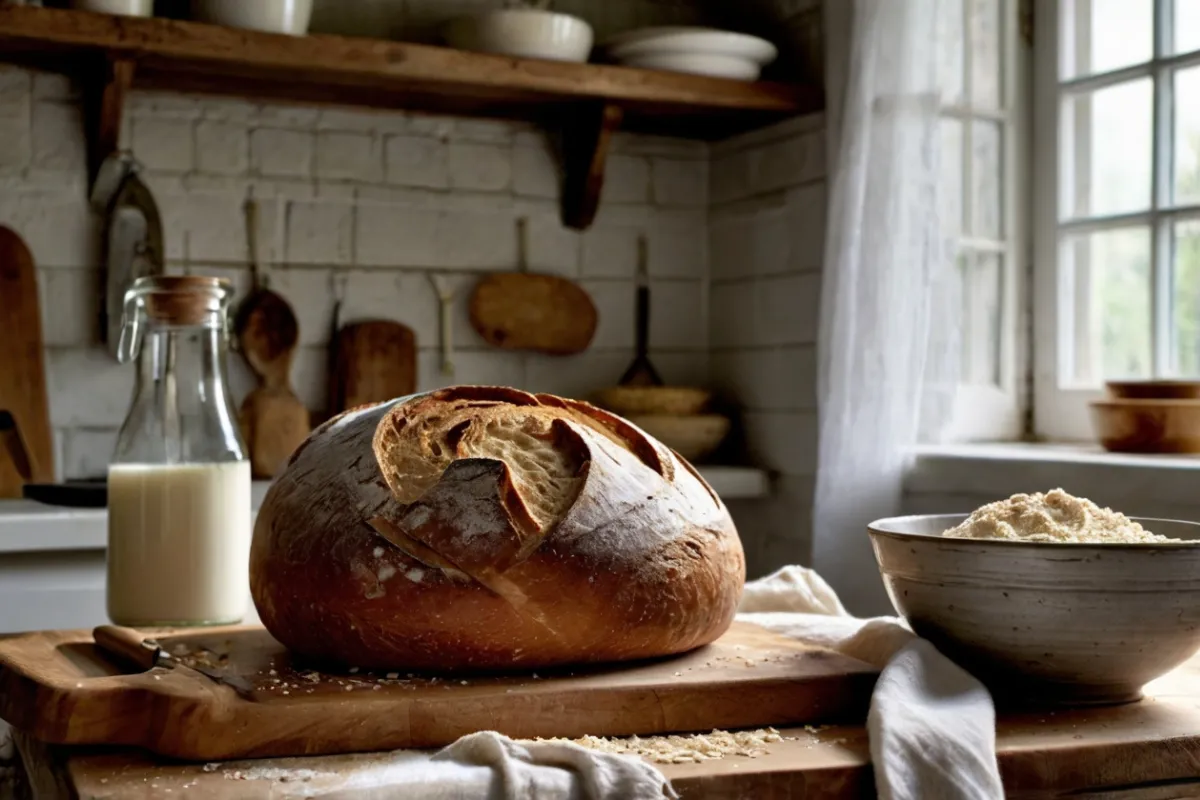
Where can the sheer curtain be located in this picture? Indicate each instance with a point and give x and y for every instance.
(889, 297)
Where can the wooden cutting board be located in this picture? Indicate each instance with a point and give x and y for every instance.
(22, 365)
(59, 688)
(374, 362)
(528, 311)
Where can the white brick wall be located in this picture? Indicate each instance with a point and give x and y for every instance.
(356, 205)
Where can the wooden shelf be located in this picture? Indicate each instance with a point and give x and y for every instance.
(586, 101)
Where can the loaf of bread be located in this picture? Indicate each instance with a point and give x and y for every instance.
(480, 528)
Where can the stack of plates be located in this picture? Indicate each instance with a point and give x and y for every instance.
(700, 51)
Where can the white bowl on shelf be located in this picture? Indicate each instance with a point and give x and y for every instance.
(126, 8)
(273, 16)
(700, 51)
(525, 33)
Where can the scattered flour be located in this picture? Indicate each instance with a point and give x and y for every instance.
(685, 749)
(1052, 517)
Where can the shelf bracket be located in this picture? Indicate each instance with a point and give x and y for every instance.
(587, 135)
(105, 103)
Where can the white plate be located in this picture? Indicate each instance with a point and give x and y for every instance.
(737, 69)
(695, 41)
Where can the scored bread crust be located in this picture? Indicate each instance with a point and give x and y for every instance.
(483, 528)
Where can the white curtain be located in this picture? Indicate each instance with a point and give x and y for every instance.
(889, 304)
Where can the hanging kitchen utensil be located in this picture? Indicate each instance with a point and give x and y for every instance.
(22, 371)
(273, 420)
(375, 361)
(641, 372)
(134, 247)
(532, 311)
(445, 293)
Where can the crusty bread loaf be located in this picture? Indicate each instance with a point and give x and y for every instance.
(479, 528)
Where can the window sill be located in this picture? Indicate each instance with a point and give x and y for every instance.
(960, 478)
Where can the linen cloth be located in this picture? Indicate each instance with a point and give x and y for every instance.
(931, 727)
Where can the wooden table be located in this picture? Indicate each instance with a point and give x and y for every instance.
(1143, 751)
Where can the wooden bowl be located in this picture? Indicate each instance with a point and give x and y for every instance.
(692, 437)
(1154, 390)
(635, 400)
(1047, 622)
(1148, 426)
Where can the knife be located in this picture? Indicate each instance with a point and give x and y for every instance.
(10, 437)
(132, 648)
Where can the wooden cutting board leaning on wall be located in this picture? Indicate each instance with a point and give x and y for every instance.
(22, 365)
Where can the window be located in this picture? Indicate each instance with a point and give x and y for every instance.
(983, 71)
(1117, 201)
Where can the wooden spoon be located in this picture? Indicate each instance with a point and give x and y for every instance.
(273, 420)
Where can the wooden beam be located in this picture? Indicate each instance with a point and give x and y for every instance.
(586, 138)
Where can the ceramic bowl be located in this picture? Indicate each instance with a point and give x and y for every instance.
(128, 8)
(1148, 426)
(523, 32)
(693, 437)
(1154, 390)
(1047, 624)
(631, 400)
(273, 16)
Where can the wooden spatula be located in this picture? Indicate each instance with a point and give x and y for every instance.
(641, 372)
(22, 367)
(374, 361)
(273, 420)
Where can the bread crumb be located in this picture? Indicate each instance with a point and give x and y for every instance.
(689, 749)
(1055, 516)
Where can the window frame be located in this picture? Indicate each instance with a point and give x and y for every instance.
(1061, 411)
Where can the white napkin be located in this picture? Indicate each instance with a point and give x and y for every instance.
(932, 727)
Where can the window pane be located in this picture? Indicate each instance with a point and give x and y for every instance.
(1186, 313)
(1187, 25)
(982, 276)
(1103, 35)
(952, 176)
(1187, 136)
(986, 75)
(951, 33)
(1107, 150)
(987, 177)
(1108, 275)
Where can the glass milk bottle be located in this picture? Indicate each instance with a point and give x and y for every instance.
(179, 486)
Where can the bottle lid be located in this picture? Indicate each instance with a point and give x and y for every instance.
(183, 299)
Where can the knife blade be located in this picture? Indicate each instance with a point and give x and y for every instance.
(131, 647)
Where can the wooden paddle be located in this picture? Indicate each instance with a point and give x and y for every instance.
(374, 361)
(273, 420)
(22, 370)
(528, 311)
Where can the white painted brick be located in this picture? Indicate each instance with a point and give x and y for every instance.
(163, 104)
(729, 177)
(732, 318)
(405, 297)
(282, 153)
(87, 387)
(626, 180)
(614, 301)
(349, 156)
(480, 368)
(535, 171)
(319, 233)
(610, 252)
(771, 241)
(87, 452)
(576, 377)
(15, 82)
(396, 236)
(164, 144)
(429, 125)
(677, 315)
(470, 240)
(679, 182)
(785, 441)
(730, 245)
(682, 369)
(783, 379)
(310, 381)
(662, 146)
(208, 228)
(222, 148)
(807, 208)
(481, 167)
(16, 130)
(71, 301)
(360, 120)
(59, 227)
(58, 138)
(485, 130)
(678, 253)
(463, 333)
(279, 115)
(417, 161)
(790, 162)
(787, 309)
(310, 294)
(553, 248)
(229, 109)
(53, 86)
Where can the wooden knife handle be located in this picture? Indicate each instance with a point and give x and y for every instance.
(128, 646)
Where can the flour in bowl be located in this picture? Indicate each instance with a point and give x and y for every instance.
(1052, 517)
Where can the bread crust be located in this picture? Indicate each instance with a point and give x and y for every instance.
(472, 575)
